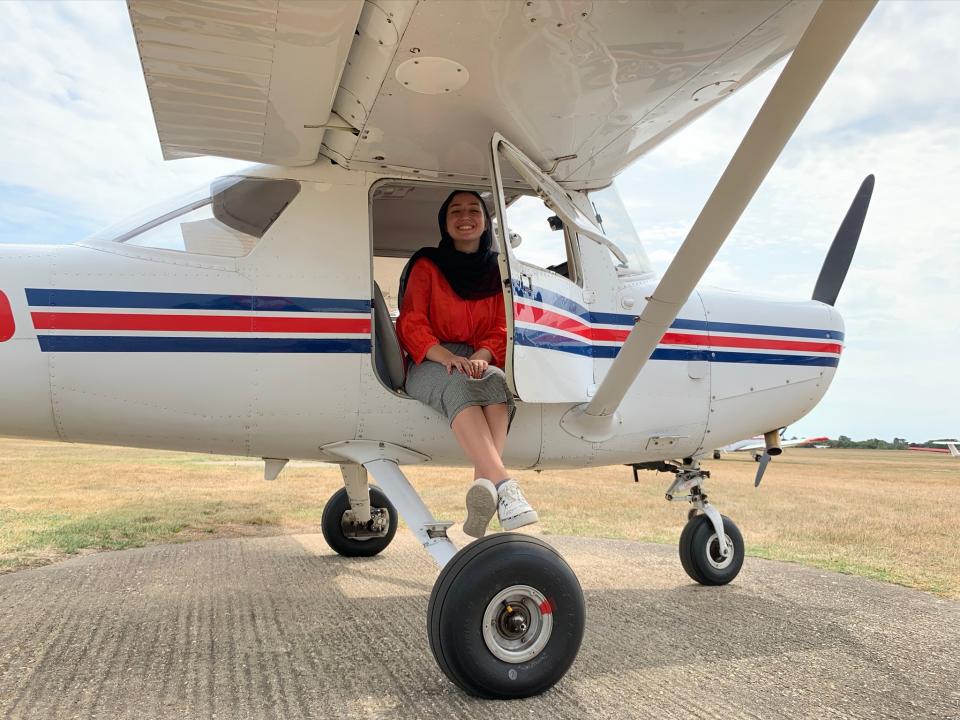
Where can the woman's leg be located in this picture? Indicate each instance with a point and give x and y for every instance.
(498, 420)
(473, 432)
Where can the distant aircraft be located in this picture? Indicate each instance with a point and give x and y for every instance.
(757, 445)
(953, 447)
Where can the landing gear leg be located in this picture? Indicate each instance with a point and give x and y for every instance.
(711, 546)
(507, 613)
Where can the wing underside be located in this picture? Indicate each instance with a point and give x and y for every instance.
(244, 79)
(582, 87)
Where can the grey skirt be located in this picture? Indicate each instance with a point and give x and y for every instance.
(429, 383)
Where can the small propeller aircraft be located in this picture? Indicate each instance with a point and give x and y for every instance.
(245, 318)
(952, 447)
(758, 445)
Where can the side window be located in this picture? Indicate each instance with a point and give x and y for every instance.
(543, 240)
(227, 219)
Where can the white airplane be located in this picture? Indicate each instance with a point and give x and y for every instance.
(244, 318)
(758, 445)
(953, 447)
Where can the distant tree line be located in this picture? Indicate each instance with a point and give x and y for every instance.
(877, 444)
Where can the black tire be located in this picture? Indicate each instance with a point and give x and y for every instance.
(468, 586)
(699, 552)
(716, 454)
(333, 512)
(685, 544)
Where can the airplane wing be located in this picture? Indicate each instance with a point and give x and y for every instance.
(758, 444)
(745, 445)
(581, 87)
(799, 442)
(249, 80)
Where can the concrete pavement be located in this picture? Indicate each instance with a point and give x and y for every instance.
(282, 628)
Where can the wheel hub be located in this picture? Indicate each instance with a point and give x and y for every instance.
(517, 624)
(513, 621)
(377, 526)
(714, 555)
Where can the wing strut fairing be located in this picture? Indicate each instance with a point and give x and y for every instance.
(823, 44)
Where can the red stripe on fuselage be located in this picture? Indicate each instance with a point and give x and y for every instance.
(530, 314)
(197, 323)
(548, 319)
(672, 338)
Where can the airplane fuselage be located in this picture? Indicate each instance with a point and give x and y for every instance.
(269, 355)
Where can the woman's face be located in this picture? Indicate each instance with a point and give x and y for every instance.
(465, 221)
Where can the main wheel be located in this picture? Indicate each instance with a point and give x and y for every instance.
(700, 551)
(350, 539)
(716, 454)
(506, 617)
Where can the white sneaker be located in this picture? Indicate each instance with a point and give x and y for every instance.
(481, 505)
(513, 510)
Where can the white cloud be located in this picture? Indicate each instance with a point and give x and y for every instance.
(892, 108)
(76, 121)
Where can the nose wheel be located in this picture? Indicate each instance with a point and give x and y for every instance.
(506, 617)
(711, 546)
(703, 557)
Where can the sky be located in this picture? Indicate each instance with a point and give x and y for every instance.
(78, 151)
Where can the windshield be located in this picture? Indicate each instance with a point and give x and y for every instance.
(619, 228)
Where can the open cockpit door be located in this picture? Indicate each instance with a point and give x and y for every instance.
(553, 304)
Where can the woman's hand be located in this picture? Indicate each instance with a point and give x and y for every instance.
(479, 362)
(478, 366)
(474, 366)
(459, 363)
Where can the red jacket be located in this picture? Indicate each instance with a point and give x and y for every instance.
(433, 313)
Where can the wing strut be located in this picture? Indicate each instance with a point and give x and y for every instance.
(824, 42)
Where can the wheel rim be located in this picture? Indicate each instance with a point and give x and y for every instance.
(517, 624)
(716, 560)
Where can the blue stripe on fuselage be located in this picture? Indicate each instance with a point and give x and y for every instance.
(556, 300)
(549, 341)
(116, 299)
(132, 344)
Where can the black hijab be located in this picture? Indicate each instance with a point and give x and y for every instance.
(472, 276)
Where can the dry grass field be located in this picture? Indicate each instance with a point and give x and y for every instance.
(881, 514)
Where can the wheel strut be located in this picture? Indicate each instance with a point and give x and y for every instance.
(689, 479)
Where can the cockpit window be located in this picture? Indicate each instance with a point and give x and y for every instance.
(618, 226)
(227, 218)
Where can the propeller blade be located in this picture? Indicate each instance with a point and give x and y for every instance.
(764, 461)
(834, 270)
